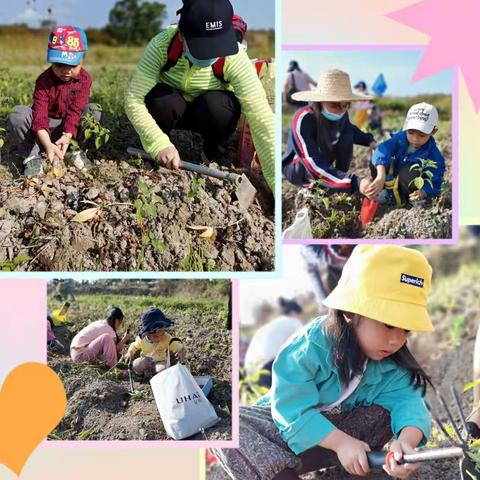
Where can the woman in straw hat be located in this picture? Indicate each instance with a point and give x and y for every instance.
(347, 382)
(321, 138)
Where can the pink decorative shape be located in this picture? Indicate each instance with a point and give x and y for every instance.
(455, 38)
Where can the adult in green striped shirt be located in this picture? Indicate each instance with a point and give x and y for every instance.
(204, 87)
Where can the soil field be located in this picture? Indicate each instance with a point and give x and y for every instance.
(100, 404)
(146, 218)
(337, 215)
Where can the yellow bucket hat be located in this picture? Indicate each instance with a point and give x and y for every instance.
(386, 283)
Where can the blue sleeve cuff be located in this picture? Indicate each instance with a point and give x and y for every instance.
(380, 160)
(423, 423)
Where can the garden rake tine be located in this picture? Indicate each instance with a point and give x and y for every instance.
(450, 418)
(458, 404)
(441, 427)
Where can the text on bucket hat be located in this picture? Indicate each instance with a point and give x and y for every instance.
(67, 45)
(421, 116)
(208, 29)
(333, 86)
(154, 320)
(386, 283)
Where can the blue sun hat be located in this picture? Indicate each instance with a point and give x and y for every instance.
(67, 45)
(154, 320)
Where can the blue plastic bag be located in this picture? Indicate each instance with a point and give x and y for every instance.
(379, 86)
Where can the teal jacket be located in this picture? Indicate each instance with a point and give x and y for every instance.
(305, 378)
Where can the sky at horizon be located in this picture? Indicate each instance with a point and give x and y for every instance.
(94, 13)
(398, 68)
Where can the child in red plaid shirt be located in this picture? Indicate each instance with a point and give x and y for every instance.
(60, 101)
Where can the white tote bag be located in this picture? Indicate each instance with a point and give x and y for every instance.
(300, 228)
(184, 408)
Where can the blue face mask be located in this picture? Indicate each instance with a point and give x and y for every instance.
(331, 116)
(200, 63)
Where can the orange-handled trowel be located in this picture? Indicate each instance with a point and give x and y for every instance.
(368, 210)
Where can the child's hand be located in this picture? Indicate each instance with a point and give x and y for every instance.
(169, 158)
(127, 336)
(63, 142)
(417, 195)
(353, 457)
(375, 187)
(128, 357)
(54, 153)
(373, 146)
(180, 355)
(393, 468)
(363, 185)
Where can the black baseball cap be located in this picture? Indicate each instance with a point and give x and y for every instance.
(207, 28)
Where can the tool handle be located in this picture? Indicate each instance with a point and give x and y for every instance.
(211, 172)
(377, 459)
(192, 167)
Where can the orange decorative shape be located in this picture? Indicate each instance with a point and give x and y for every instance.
(32, 403)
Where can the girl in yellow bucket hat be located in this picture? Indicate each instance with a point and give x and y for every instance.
(347, 382)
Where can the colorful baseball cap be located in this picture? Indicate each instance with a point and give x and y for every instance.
(207, 26)
(67, 45)
(421, 116)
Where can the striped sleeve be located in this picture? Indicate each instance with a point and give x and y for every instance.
(241, 75)
(146, 76)
(304, 130)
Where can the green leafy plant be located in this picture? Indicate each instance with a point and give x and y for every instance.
(250, 390)
(197, 183)
(457, 328)
(195, 260)
(424, 175)
(321, 192)
(2, 137)
(145, 210)
(85, 434)
(73, 146)
(138, 395)
(12, 265)
(135, 161)
(146, 203)
(93, 128)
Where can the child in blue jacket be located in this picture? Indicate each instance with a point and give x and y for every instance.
(354, 360)
(396, 162)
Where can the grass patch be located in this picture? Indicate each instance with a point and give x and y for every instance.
(93, 307)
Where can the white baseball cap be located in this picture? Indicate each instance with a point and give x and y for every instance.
(421, 116)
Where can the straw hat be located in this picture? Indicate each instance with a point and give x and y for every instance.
(387, 283)
(333, 86)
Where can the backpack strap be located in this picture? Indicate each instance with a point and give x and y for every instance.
(218, 67)
(175, 50)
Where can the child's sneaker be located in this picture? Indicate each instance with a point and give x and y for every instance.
(79, 160)
(33, 166)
